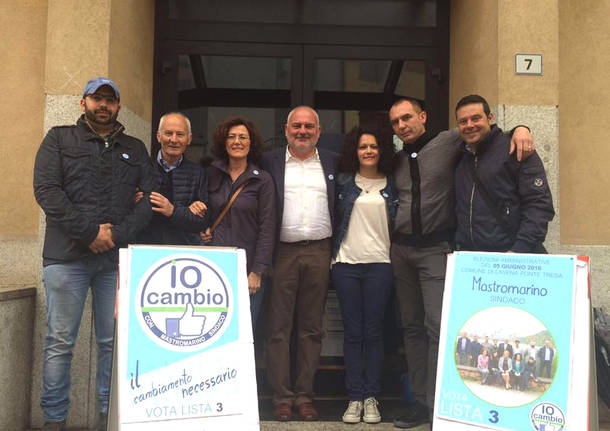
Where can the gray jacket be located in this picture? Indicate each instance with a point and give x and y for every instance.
(426, 213)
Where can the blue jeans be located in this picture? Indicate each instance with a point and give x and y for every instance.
(363, 291)
(66, 287)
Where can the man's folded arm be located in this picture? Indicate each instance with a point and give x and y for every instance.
(141, 214)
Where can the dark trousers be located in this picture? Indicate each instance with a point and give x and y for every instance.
(363, 291)
(298, 293)
(462, 358)
(545, 368)
(525, 379)
(419, 279)
(256, 302)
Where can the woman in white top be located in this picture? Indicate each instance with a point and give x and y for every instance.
(361, 271)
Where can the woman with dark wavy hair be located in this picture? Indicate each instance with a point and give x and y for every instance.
(361, 272)
(250, 221)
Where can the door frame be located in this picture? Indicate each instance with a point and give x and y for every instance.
(169, 99)
(244, 38)
(302, 77)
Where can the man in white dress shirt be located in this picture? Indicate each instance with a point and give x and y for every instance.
(305, 188)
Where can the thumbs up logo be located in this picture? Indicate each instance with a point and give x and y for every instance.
(188, 325)
(184, 302)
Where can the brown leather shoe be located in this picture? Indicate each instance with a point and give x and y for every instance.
(307, 412)
(282, 412)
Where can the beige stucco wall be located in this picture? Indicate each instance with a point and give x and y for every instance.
(485, 36)
(114, 38)
(584, 97)
(131, 52)
(528, 27)
(77, 44)
(473, 43)
(21, 84)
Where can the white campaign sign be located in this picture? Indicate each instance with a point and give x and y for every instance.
(546, 383)
(184, 351)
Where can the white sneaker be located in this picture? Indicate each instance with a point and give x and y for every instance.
(371, 412)
(353, 412)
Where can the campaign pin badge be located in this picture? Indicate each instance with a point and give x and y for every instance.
(538, 182)
(125, 156)
(413, 155)
(255, 172)
(331, 177)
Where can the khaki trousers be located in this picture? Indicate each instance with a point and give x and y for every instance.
(298, 294)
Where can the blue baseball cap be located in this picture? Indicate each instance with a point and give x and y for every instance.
(95, 83)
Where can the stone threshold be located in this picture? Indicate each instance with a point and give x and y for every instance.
(11, 292)
(317, 426)
(333, 426)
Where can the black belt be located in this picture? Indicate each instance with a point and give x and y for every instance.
(304, 242)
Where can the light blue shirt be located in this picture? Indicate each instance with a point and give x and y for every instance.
(166, 167)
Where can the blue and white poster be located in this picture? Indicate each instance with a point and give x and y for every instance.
(184, 340)
(506, 344)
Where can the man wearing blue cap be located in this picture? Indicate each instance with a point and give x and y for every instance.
(84, 180)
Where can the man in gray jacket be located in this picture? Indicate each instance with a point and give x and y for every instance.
(424, 227)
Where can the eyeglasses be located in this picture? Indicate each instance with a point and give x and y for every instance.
(240, 138)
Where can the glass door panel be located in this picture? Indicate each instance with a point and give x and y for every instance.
(209, 82)
(231, 71)
(354, 87)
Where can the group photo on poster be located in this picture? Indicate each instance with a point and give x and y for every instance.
(508, 373)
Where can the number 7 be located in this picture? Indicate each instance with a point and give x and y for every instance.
(529, 63)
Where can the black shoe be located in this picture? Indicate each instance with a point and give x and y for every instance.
(415, 414)
(102, 422)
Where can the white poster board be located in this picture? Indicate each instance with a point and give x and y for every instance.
(184, 354)
(543, 299)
